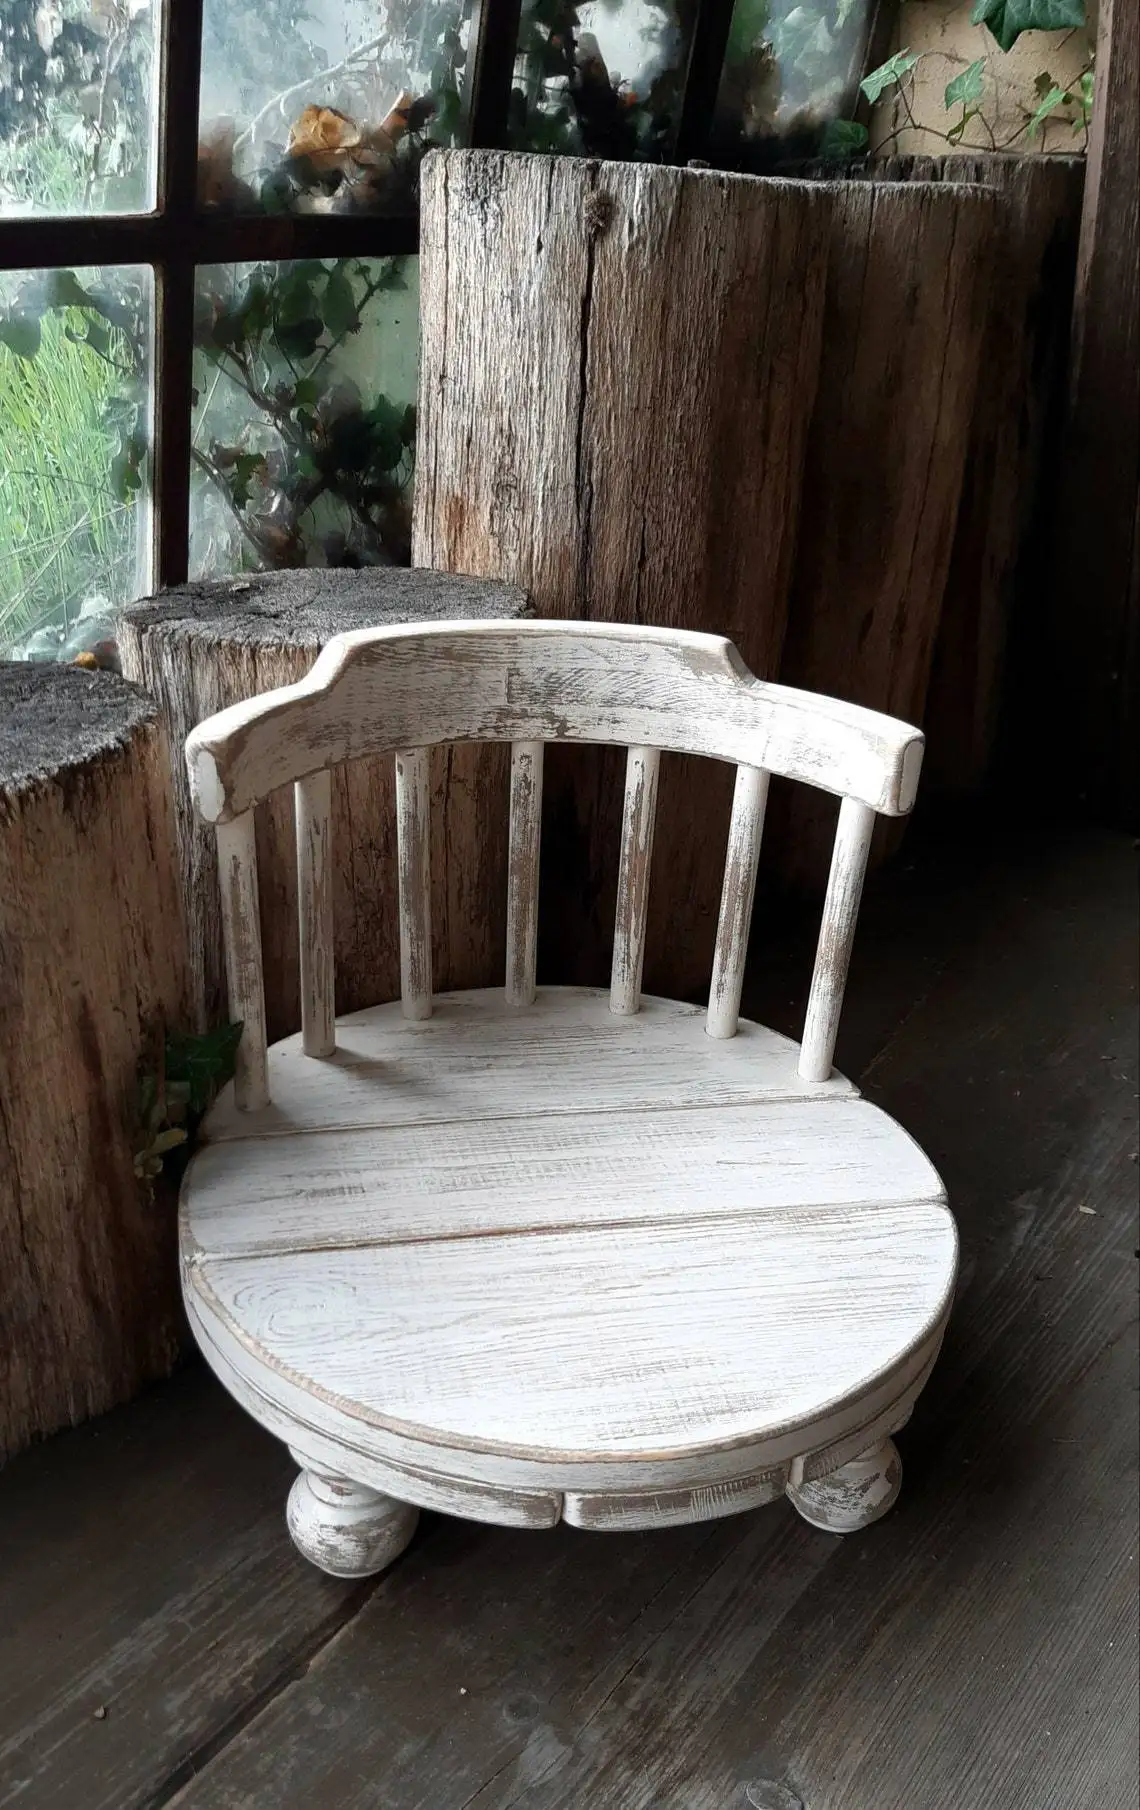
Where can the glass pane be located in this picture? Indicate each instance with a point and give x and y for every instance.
(327, 107)
(304, 425)
(77, 114)
(74, 423)
(789, 70)
(601, 80)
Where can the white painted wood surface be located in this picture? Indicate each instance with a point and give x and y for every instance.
(477, 1058)
(746, 828)
(639, 815)
(376, 691)
(836, 937)
(241, 934)
(413, 839)
(601, 1258)
(312, 810)
(522, 871)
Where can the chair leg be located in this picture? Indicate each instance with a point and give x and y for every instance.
(346, 1529)
(854, 1494)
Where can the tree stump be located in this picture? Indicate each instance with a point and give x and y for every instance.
(92, 966)
(904, 331)
(616, 376)
(200, 647)
(995, 564)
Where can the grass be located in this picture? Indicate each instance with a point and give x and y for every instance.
(64, 534)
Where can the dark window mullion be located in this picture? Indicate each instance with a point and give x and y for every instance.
(491, 63)
(702, 81)
(180, 64)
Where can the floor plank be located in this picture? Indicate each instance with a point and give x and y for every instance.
(976, 1649)
(143, 1574)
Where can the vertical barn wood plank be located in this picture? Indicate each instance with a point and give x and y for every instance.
(617, 371)
(907, 299)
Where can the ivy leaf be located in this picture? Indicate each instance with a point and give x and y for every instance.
(889, 73)
(968, 86)
(204, 1063)
(21, 335)
(1007, 19)
(339, 308)
(299, 339)
(1056, 97)
(245, 468)
(98, 338)
(843, 138)
(64, 290)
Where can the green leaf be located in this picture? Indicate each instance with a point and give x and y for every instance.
(339, 308)
(205, 1063)
(843, 11)
(168, 1140)
(245, 468)
(1055, 98)
(968, 86)
(1007, 19)
(843, 138)
(98, 338)
(299, 339)
(21, 335)
(64, 290)
(888, 74)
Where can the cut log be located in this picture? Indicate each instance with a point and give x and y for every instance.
(995, 565)
(616, 376)
(200, 647)
(92, 966)
(904, 330)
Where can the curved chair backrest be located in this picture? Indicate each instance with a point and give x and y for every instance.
(403, 690)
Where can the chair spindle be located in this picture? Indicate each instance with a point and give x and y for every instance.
(413, 829)
(639, 815)
(836, 935)
(522, 871)
(241, 933)
(312, 799)
(749, 802)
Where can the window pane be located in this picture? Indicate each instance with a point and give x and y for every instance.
(76, 106)
(74, 422)
(304, 426)
(788, 71)
(601, 80)
(329, 106)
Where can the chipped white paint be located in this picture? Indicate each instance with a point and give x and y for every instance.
(749, 800)
(413, 835)
(836, 936)
(854, 1494)
(522, 871)
(582, 1260)
(638, 817)
(312, 807)
(345, 1528)
(375, 691)
(241, 932)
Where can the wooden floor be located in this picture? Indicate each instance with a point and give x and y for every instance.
(161, 1644)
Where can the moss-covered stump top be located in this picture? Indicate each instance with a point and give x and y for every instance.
(306, 608)
(54, 719)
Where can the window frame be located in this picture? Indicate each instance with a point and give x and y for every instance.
(178, 236)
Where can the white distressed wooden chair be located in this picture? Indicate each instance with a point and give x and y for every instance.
(556, 1254)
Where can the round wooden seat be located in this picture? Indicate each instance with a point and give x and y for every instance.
(559, 1263)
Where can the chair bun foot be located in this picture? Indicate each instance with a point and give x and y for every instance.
(854, 1494)
(345, 1529)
